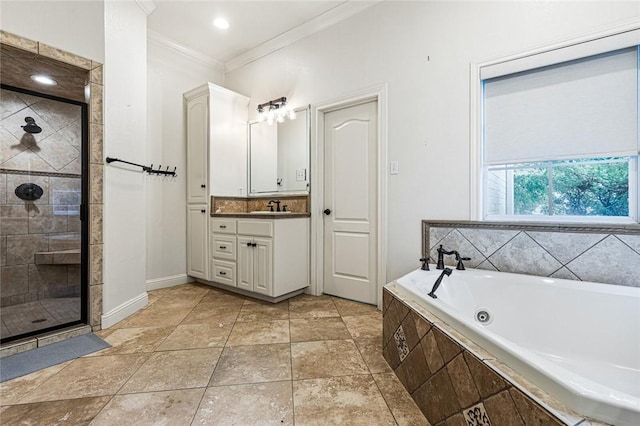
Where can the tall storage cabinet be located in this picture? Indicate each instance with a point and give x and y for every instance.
(216, 127)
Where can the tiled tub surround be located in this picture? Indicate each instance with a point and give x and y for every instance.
(295, 204)
(603, 254)
(453, 380)
(547, 345)
(93, 72)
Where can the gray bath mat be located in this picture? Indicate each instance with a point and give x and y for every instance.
(36, 359)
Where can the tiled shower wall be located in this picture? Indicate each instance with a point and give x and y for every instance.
(32, 231)
(94, 79)
(609, 255)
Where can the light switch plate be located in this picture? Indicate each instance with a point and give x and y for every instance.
(301, 175)
(393, 167)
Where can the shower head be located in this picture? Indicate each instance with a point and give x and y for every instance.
(31, 126)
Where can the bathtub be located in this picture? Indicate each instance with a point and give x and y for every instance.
(578, 341)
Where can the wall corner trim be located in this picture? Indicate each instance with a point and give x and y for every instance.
(126, 309)
(147, 6)
(168, 281)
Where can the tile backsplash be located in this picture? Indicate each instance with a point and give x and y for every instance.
(608, 255)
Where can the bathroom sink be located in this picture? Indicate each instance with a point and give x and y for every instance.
(267, 212)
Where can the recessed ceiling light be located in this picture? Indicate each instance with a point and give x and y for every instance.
(44, 79)
(221, 23)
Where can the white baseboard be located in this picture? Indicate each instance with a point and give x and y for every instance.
(170, 281)
(121, 312)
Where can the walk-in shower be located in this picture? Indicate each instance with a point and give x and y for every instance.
(43, 189)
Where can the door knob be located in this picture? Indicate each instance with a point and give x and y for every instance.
(327, 211)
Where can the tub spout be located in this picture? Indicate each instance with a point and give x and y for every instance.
(446, 272)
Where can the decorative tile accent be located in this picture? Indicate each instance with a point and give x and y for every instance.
(19, 42)
(96, 104)
(477, 416)
(614, 259)
(401, 343)
(96, 135)
(523, 255)
(95, 264)
(96, 75)
(62, 56)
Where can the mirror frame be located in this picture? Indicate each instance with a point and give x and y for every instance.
(307, 114)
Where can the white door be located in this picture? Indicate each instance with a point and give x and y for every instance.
(262, 266)
(350, 202)
(197, 253)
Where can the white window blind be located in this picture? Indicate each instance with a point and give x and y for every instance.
(583, 108)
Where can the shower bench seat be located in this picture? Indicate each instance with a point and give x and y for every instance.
(60, 257)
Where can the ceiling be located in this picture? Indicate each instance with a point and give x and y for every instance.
(252, 23)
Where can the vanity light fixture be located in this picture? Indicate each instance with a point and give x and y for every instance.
(275, 109)
(44, 79)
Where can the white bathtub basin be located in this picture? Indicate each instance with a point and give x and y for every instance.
(578, 341)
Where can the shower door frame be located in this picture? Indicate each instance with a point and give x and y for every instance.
(84, 214)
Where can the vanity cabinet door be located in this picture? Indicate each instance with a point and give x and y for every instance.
(263, 266)
(197, 238)
(245, 263)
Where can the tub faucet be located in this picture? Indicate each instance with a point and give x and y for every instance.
(447, 272)
(425, 263)
(442, 252)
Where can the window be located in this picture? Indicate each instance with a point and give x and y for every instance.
(560, 133)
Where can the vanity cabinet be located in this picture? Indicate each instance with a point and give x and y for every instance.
(216, 132)
(269, 257)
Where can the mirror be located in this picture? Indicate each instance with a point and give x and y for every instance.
(279, 156)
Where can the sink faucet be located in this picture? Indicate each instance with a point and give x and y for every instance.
(447, 272)
(442, 252)
(276, 202)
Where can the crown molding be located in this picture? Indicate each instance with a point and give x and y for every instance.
(148, 6)
(319, 23)
(163, 41)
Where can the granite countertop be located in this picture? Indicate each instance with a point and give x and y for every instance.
(262, 215)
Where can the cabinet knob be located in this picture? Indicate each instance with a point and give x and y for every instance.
(203, 186)
(249, 244)
(327, 211)
(223, 247)
(203, 211)
(223, 226)
(223, 273)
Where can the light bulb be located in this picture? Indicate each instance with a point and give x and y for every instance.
(292, 114)
(280, 118)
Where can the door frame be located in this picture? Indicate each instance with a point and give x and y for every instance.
(375, 93)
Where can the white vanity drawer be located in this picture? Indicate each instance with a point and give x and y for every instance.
(258, 228)
(223, 272)
(223, 246)
(223, 226)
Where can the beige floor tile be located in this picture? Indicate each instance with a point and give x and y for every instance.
(305, 306)
(177, 301)
(193, 336)
(209, 313)
(326, 359)
(68, 411)
(12, 390)
(253, 364)
(244, 405)
(259, 333)
(264, 311)
(348, 400)
(310, 329)
(223, 298)
(176, 407)
(134, 340)
(348, 307)
(404, 409)
(174, 370)
(152, 316)
(85, 377)
(364, 326)
(371, 351)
